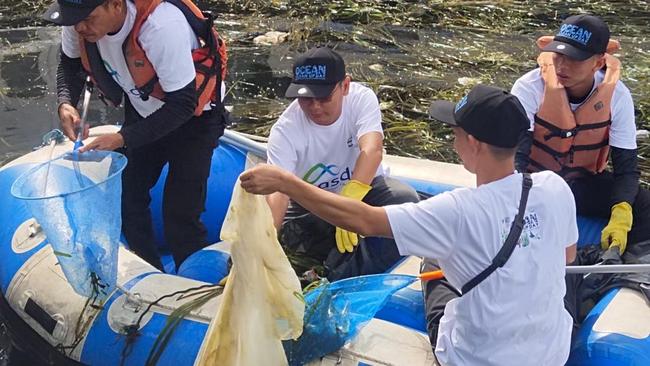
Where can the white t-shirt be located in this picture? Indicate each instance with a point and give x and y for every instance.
(325, 156)
(166, 38)
(622, 134)
(516, 316)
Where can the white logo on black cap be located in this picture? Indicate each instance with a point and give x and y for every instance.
(560, 47)
(302, 91)
(54, 15)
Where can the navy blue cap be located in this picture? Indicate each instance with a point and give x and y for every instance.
(580, 37)
(316, 73)
(490, 114)
(70, 12)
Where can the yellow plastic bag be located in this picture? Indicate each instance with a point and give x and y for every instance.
(261, 303)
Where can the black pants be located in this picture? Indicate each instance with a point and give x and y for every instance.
(593, 198)
(188, 151)
(304, 233)
(436, 296)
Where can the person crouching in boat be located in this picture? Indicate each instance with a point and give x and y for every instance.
(331, 137)
(502, 245)
(173, 112)
(580, 113)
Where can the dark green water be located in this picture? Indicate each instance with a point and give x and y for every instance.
(410, 52)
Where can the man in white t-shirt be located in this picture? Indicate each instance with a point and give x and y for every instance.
(581, 113)
(163, 122)
(331, 137)
(515, 316)
(588, 79)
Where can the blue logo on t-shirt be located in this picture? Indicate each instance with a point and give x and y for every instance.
(113, 73)
(333, 177)
(575, 33)
(311, 72)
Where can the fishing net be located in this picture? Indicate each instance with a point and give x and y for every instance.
(335, 312)
(76, 200)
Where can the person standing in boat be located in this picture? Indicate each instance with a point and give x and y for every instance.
(145, 50)
(503, 244)
(581, 113)
(331, 137)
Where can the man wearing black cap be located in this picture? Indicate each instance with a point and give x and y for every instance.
(331, 137)
(580, 113)
(509, 313)
(119, 44)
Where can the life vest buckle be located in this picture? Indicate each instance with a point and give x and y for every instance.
(564, 134)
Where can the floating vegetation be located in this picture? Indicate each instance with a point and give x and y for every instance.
(410, 52)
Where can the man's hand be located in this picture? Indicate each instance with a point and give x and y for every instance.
(263, 179)
(620, 223)
(109, 142)
(347, 240)
(70, 121)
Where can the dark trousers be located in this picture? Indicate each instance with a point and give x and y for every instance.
(188, 151)
(436, 296)
(305, 234)
(593, 198)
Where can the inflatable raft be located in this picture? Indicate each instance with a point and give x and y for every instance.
(47, 318)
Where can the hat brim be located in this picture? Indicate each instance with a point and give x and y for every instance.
(309, 90)
(567, 50)
(66, 15)
(443, 111)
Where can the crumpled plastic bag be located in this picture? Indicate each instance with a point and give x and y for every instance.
(262, 303)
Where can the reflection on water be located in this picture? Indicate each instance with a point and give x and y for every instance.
(22, 77)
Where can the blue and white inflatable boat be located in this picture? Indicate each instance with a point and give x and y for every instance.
(47, 318)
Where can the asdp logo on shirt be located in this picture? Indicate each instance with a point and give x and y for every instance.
(327, 176)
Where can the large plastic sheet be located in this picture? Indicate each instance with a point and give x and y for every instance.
(76, 200)
(262, 302)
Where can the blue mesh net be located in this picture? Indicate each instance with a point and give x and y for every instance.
(76, 200)
(335, 312)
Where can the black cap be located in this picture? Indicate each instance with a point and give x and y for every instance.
(580, 37)
(70, 12)
(490, 114)
(316, 73)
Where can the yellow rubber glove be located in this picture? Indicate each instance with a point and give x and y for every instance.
(345, 240)
(620, 223)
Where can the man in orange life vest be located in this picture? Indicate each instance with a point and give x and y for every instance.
(580, 112)
(148, 51)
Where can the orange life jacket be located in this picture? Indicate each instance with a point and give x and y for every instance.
(572, 143)
(210, 59)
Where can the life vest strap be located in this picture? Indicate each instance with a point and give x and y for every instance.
(561, 154)
(564, 171)
(567, 133)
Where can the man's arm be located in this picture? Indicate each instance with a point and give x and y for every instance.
(372, 149)
(571, 252)
(69, 83)
(340, 211)
(626, 175)
(278, 202)
(526, 96)
(178, 108)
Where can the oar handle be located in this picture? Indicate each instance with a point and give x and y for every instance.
(432, 275)
(603, 268)
(609, 268)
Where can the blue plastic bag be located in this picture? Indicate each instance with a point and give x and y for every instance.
(335, 312)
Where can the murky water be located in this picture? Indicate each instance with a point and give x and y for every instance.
(410, 52)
